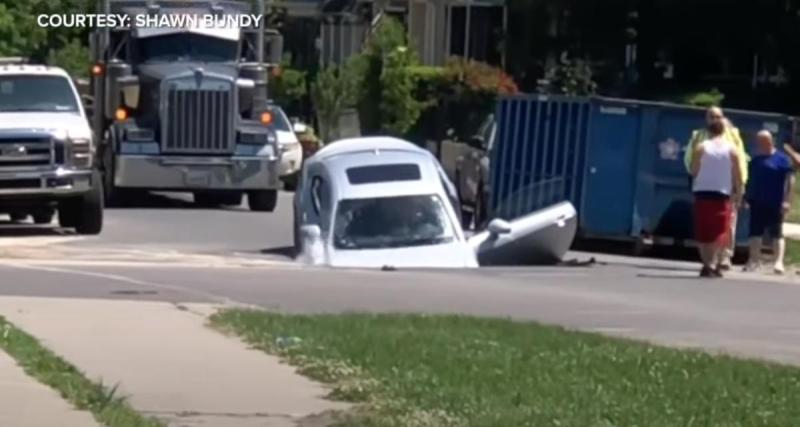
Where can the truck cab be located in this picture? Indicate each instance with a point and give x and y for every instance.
(47, 151)
(185, 108)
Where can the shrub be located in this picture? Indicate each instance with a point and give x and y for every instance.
(288, 88)
(335, 89)
(572, 77)
(704, 99)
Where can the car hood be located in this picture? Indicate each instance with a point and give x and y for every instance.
(454, 255)
(285, 137)
(74, 124)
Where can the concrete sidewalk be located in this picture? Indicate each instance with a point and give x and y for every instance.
(24, 402)
(791, 230)
(169, 363)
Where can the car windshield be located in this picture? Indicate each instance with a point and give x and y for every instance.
(186, 47)
(22, 93)
(391, 222)
(280, 121)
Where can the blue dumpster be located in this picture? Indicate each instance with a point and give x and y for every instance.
(620, 162)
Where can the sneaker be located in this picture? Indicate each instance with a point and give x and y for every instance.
(717, 272)
(724, 266)
(706, 272)
(779, 269)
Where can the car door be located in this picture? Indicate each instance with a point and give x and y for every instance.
(539, 238)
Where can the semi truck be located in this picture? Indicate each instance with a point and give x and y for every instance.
(185, 108)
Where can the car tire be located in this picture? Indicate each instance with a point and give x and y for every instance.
(43, 217)
(87, 210)
(67, 214)
(112, 196)
(262, 200)
(290, 182)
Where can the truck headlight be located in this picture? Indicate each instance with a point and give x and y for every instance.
(80, 152)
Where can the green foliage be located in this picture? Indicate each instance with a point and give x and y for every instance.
(288, 89)
(21, 35)
(388, 102)
(704, 99)
(335, 89)
(73, 57)
(458, 96)
(572, 77)
(399, 107)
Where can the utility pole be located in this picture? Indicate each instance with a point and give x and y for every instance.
(467, 28)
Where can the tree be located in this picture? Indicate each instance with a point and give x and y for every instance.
(21, 35)
(335, 89)
(388, 103)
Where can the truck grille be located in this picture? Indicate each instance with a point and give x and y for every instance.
(21, 153)
(198, 121)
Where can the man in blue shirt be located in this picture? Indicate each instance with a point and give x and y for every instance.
(769, 196)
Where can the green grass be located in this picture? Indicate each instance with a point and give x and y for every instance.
(792, 252)
(40, 363)
(794, 214)
(441, 371)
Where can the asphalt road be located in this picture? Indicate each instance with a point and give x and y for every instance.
(170, 251)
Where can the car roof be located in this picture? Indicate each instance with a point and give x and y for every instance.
(366, 144)
(336, 167)
(36, 70)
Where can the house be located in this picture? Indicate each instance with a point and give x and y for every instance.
(336, 29)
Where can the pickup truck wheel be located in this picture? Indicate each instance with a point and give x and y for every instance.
(89, 210)
(67, 214)
(262, 200)
(18, 216)
(43, 218)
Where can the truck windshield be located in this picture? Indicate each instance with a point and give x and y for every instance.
(391, 222)
(22, 93)
(186, 47)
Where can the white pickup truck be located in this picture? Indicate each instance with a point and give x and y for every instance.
(47, 151)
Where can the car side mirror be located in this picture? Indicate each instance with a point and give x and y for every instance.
(499, 227)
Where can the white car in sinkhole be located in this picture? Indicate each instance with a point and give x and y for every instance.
(382, 202)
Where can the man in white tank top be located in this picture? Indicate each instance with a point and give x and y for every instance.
(717, 183)
(718, 124)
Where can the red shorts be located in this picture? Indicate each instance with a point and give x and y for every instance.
(712, 220)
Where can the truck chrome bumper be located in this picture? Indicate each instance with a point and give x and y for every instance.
(197, 173)
(58, 182)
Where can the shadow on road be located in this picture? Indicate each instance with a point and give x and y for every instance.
(674, 253)
(668, 276)
(284, 251)
(10, 230)
(145, 200)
